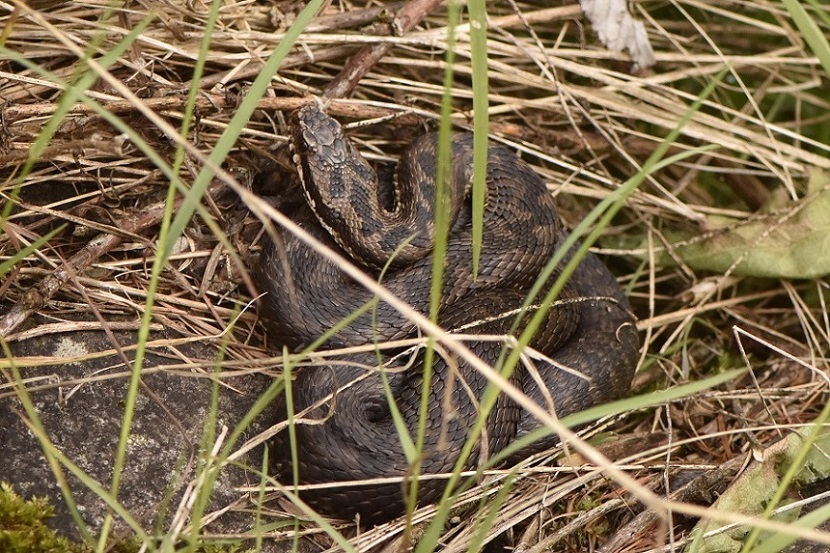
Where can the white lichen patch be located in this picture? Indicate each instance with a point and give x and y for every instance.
(69, 347)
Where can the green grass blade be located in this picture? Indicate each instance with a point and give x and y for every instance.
(481, 104)
(810, 31)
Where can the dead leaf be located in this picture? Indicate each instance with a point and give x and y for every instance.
(752, 491)
(618, 30)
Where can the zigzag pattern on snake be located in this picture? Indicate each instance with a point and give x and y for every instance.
(590, 337)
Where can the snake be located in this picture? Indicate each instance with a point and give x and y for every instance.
(354, 414)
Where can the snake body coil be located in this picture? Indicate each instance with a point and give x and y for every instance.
(589, 335)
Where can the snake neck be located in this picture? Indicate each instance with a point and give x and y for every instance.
(347, 197)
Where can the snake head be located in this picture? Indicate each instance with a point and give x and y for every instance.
(313, 129)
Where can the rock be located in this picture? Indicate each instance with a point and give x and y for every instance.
(81, 403)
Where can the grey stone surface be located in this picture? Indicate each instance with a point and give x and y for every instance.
(84, 419)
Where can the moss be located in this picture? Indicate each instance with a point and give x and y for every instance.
(22, 529)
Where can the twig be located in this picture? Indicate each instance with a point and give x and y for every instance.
(205, 103)
(350, 19)
(73, 148)
(362, 62)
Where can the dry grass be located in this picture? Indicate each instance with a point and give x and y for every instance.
(557, 96)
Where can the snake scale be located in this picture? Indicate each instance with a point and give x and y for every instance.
(589, 341)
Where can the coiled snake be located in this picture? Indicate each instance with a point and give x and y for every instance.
(590, 336)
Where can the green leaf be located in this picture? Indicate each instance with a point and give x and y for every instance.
(792, 241)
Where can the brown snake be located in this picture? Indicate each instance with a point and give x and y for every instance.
(589, 336)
